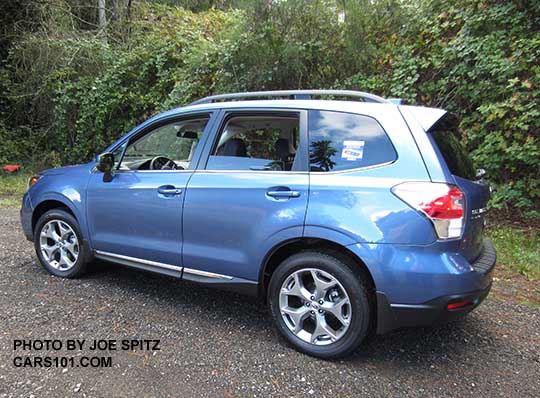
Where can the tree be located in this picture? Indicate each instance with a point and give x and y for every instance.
(102, 17)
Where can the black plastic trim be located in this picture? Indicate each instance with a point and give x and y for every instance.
(395, 316)
(485, 263)
(236, 285)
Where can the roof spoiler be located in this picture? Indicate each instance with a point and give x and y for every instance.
(427, 117)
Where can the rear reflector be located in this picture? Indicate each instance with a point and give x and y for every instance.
(459, 304)
(443, 205)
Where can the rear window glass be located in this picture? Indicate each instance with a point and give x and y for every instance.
(342, 141)
(450, 143)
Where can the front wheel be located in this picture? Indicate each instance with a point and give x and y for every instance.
(320, 304)
(59, 245)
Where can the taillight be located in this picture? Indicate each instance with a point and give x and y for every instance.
(443, 204)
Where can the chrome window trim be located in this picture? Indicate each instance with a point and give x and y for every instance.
(356, 169)
(154, 171)
(94, 171)
(251, 171)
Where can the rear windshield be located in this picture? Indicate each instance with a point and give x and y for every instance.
(450, 142)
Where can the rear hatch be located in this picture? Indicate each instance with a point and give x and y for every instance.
(446, 137)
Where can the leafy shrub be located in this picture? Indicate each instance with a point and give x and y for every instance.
(67, 94)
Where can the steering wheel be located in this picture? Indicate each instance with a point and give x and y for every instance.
(163, 163)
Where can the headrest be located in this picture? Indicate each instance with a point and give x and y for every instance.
(282, 147)
(235, 147)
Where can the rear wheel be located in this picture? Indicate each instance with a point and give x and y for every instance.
(59, 245)
(320, 304)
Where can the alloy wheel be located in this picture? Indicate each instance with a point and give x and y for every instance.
(59, 245)
(315, 306)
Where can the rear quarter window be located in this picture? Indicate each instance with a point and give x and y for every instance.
(342, 141)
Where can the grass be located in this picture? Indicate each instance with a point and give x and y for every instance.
(518, 249)
(12, 187)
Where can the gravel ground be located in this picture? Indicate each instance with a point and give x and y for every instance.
(216, 344)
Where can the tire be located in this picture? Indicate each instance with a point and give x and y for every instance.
(62, 240)
(348, 329)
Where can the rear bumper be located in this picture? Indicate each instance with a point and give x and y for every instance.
(434, 312)
(392, 316)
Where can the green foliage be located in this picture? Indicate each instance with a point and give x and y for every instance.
(518, 249)
(478, 59)
(68, 90)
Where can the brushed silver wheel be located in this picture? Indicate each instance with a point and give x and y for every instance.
(315, 306)
(59, 245)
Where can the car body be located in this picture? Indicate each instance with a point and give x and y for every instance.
(229, 218)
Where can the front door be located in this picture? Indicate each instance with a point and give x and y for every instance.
(138, 214)
(249, 195)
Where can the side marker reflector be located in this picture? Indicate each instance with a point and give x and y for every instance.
(459, 304)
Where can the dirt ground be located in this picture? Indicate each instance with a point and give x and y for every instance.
(215, 344)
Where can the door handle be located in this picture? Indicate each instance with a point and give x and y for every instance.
(283, 194)
(169, 190)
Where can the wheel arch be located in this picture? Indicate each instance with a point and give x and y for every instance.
(50, 204)
(287, 248)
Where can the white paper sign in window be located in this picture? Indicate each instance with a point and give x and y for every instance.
(353, 150)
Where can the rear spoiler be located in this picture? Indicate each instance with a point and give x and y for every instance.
(427, 117)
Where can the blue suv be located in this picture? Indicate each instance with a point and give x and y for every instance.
(349, 215)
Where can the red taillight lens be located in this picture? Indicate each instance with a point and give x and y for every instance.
(445, 207)
(443, 204)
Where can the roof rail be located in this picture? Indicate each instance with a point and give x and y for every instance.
(291, 94)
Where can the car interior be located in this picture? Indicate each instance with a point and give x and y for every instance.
(169, 147)
(256, 143)
(245, 143)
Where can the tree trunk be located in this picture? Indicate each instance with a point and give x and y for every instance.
(102, 18)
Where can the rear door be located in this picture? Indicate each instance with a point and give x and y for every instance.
(249, 193)
(446, 139)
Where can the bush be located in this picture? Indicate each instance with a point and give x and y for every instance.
(67, 94)
(478, 59)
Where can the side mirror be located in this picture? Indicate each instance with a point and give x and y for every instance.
(105, 164)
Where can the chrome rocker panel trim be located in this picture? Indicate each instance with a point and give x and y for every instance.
(239, 285)
(146, 265)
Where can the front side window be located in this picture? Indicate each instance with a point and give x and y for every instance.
(168, 147)
(342, 141)
(256, 142)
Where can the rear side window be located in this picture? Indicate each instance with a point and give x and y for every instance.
(256, 142)
(342, 141)
(448, 139)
